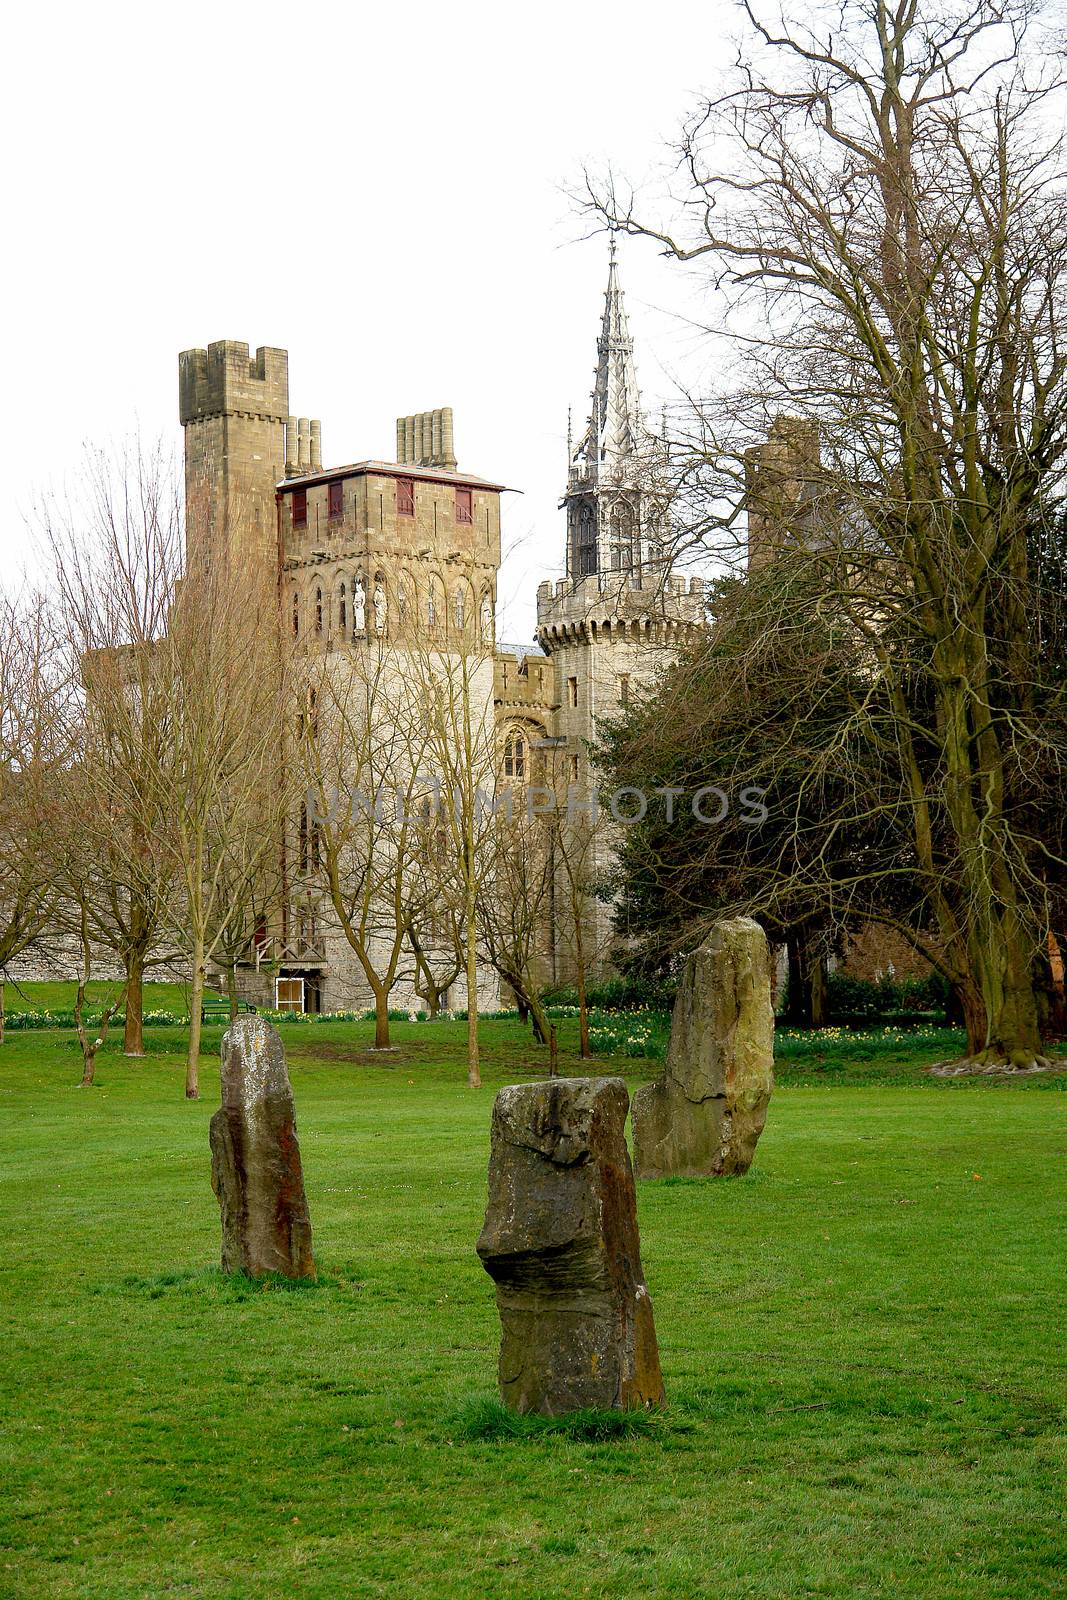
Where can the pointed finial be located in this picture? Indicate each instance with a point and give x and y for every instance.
(613, 246)
(570, 439)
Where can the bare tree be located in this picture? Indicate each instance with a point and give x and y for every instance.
(114, 548)
(878, 196)
(363, 748)
(515, 897)
(34, 732)
(220, 669)
(80, 842)
(451, 669)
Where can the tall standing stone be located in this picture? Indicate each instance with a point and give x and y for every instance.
(561, 1244)
(255, 1158)
(704, 1116)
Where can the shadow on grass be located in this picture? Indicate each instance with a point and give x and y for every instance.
(483, 1418)
(215, 1284)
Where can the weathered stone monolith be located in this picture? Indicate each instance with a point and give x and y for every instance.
(255, 1158)
(560, 1241)
(704, 1116)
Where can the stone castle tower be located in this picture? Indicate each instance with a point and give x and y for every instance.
(235, 414)
(621, 612)
(360, 557)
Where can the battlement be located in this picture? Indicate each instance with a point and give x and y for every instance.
(620, 599)
(223, 380)
(524, 680)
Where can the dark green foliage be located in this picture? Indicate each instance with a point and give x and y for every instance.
(765, 709)
(861, 998)
(633, 991)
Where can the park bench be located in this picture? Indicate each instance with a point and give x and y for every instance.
(216, 1008)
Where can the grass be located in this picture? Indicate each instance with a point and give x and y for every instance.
(60, 996)
(861, 1341)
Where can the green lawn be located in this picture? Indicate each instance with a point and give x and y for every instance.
(862, 1343)
(60, 996)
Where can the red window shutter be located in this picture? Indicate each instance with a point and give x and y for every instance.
(337, 500)
(464, 506)
(300, 508)
(405, 497)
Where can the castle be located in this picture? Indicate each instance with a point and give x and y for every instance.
(377, 554)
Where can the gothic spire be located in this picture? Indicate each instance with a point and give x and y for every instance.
(616, 432)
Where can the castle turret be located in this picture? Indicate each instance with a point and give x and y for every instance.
(782, 480)
(235, 410)
(621, 613)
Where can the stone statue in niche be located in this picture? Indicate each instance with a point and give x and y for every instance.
(461, 610)
(359, 606)
(487, 621)
(379, 606)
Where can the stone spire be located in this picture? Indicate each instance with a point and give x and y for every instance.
(616, 436)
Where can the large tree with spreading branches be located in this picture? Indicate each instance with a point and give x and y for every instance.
(878, 197)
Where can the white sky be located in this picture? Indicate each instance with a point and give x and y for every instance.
(377, 189)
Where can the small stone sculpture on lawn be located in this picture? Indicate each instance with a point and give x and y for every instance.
(704, 1116)
(255, 1158)
(560, 1241)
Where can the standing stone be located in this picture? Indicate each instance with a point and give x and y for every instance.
(255, 1158)
(560, 1241)
(704, 1116)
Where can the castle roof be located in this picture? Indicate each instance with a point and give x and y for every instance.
(394, 469)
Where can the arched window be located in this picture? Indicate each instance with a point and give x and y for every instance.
(585, 541)
(622, 552)
(515, 754)
(318, 610)
(296, 615)
(342, 607)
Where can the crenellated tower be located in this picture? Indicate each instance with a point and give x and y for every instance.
(239, 442)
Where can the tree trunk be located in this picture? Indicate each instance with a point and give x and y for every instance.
(231, 989)
(1003, 960)
(88, 1050)
(381, 1019)
(196, 1002)
(797, 993)
(133, 1030)
(1001, 948)
(584, 1049)
(541, 1027)
(1056, 1016)
(817, 988)
(3, 1013)
(474, 1074)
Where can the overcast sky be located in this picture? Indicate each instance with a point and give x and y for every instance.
(378, 189)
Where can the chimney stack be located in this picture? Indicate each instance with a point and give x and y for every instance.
(425, 439)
